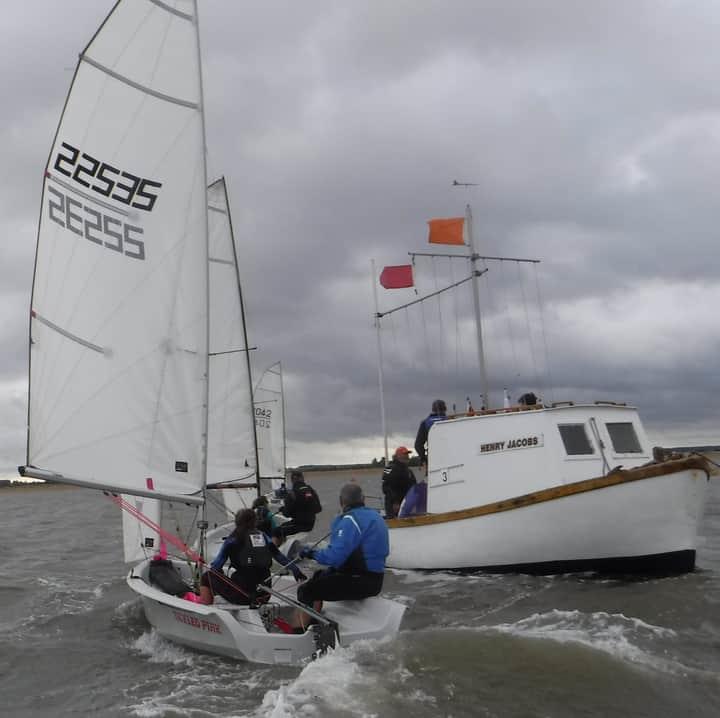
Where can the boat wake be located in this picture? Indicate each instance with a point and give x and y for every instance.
(70, 596)
(351, 681)
(52, 601)
(157, 650)
(626, 638)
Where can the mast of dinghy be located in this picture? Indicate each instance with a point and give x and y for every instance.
(203, 523)
(284, 437)
(475, 273)
(245, 338)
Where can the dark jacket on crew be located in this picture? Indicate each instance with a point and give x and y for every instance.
(422, 434)
(396, 482)
(302, 504)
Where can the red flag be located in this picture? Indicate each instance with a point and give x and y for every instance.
(397, 277)
(447, 231)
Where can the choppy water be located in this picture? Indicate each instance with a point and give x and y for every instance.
(73, 640)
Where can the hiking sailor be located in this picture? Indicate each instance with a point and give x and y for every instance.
(356, 556)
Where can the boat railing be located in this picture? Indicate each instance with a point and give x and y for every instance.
(501, 410)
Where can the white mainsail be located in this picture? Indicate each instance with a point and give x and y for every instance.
(119, 313)
(231, 450)
(270, 425)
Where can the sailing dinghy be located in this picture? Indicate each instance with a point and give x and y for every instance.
(546, 488)
(134, 338)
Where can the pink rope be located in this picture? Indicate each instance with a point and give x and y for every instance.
(164, 535)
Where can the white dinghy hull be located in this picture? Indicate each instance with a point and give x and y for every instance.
(238, 632)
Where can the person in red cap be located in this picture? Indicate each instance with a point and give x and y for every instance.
(396, 481)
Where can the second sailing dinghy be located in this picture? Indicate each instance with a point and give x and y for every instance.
(123, 367)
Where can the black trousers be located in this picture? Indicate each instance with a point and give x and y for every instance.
(240, 588)
(337, 586)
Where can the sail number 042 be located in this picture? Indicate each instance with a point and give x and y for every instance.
(262, 417)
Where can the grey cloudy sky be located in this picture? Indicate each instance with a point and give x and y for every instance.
(592, 131)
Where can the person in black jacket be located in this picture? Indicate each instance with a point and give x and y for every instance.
(396, 481)
(438, 413)
(301, 506)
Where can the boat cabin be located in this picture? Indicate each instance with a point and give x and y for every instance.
(492, 456)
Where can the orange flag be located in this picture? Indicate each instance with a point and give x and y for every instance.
(446, 231)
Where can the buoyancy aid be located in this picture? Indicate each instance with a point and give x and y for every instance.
(306, 501)
(253, 552)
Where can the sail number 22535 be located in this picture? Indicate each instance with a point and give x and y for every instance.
(106, 180)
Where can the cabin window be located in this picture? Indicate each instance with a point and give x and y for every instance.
(575, 439)
(623, 437)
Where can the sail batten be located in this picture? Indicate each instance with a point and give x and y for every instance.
(138, 86)
(174, 11)
(70, 335)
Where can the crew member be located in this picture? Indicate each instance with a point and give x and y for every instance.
(437, 413)
(251, 554)
(301, 505)
(359, 545)
(396, 481)
(265, 521)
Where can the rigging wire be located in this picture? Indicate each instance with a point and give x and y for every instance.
(550, 388)
(457, 320)
(441, 329)
(425, 336)
(529, 331)
(507, 312)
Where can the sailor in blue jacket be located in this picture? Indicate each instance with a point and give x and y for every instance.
(438, 413)
(359, 545)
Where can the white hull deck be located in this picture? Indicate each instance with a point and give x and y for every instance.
(642, 520)
(238, 632)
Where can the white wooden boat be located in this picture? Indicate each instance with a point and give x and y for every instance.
(548, 489)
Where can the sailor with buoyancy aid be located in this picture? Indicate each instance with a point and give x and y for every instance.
(438, 413)
(251, 554)
(301, 505)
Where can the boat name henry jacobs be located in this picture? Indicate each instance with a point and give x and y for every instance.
(524, 442)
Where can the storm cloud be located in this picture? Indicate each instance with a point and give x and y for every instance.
(591, 132)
